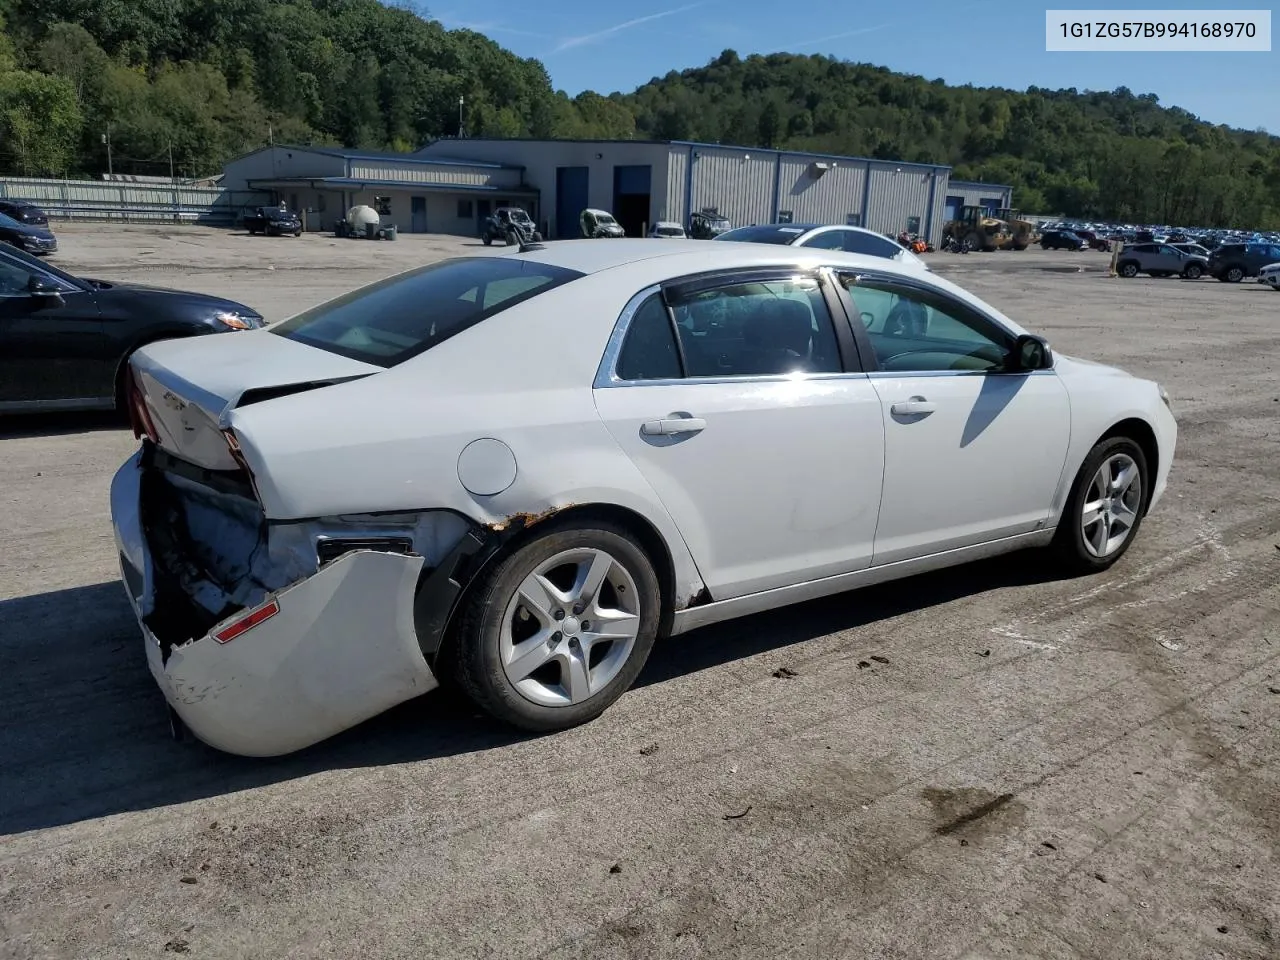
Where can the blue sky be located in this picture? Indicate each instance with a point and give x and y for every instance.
(619, 46)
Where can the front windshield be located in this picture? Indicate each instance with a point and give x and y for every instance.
(390, 321)
(605, 219)
(670, 232)
(275, 213)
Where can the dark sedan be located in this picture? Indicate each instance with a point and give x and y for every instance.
(26, 236)
(24, 212)
(64, 340)
(273, 221)
(1061, 240)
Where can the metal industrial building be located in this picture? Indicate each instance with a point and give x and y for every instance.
(417, 193)
(449, 186)
(990, 196)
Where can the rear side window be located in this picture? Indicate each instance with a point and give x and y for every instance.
(390, 321)
(855, 241)
(649, 351)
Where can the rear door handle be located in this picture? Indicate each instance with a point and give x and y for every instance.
(916, 406)
(672, 425)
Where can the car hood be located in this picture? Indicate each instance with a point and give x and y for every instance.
(140, 294)
(1068, 366)
(191, 385)
(31, 230)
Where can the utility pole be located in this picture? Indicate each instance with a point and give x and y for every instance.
(171, 178)
(460, 133)
(106, 138)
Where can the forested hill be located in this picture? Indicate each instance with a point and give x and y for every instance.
(209, 79)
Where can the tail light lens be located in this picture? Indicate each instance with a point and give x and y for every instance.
(247, 622)
(139, 416)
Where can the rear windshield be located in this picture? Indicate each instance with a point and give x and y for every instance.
(390, 321)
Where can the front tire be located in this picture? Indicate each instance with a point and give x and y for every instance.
(1105, 508)
(1128, 270)
(1192, 272)
(1234, 274)
(560, 628)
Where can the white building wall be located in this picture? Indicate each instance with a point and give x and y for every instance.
(828, 198)
(899, 192)
(973, 193)
(736, 182)
(540, 158)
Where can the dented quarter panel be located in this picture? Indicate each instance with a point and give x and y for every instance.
(391, 442)
(342, 649)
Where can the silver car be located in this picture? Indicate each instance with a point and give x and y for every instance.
(1160, 260)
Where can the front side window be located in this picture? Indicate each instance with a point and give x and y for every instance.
(913, 329)
(390, 321)
(913, 224)
(14, 279)
(747, 329)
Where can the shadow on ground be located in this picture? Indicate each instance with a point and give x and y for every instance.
(26, 425)
(84, 732)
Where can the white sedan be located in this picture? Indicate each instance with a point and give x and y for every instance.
(827, 237)
(515, 472)
(1270, 274)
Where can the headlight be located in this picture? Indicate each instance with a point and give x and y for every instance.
(238, 321)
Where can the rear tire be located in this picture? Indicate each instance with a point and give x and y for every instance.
(488, 240)
(1234, 274)
(1128, 270)
(523, 653)
(1193, 271)
(1090, 547)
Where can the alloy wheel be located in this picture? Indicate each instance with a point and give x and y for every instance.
(570, 627)
(1111, 508)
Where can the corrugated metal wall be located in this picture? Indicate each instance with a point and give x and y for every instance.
(737, 183)
(434, 173)
(898, 193)
(677, 182)
(271, 163)
(828, 198)
(137, 202)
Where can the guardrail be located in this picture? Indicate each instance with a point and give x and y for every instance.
(115, 202)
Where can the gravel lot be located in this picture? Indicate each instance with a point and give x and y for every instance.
(980, 763)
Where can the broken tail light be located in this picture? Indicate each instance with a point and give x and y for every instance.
(139, 416)
(247, 622)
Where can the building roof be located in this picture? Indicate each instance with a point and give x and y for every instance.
(343, 153)
(981, 184)
(414, 185)
(696, 144)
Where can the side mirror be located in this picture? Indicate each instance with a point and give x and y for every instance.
(1031, 353)
(43, 289)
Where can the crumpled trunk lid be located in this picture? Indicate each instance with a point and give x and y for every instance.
(189, 386)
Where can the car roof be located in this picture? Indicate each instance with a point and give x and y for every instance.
(594, 256)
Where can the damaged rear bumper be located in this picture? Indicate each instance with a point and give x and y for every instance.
(340, 648)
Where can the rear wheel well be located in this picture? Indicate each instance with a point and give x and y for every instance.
(646, 535)
(1140, 432)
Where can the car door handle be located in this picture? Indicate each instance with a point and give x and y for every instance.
(914, 407)
(672, 425)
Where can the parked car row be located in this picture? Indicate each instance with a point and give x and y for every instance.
(1229, 263)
